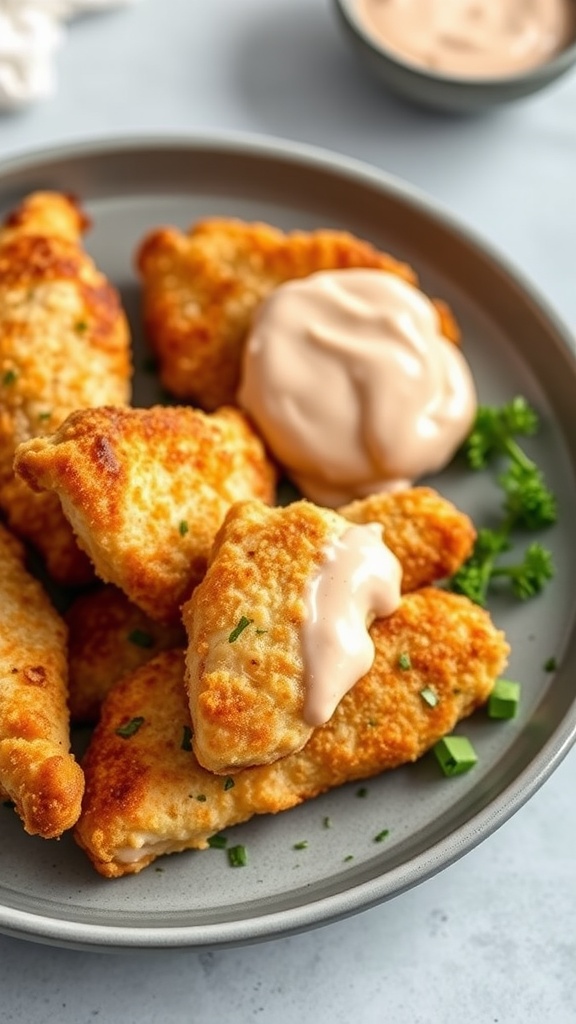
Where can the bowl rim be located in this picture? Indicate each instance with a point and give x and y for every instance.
(539, 74)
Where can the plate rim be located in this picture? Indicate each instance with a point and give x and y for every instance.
(103, 937)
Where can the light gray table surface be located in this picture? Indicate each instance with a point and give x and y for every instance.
(492, 939)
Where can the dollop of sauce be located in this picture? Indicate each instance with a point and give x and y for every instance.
(358, 580)
(352, 385)
(472, 38)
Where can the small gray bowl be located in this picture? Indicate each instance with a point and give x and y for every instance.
(449, 93)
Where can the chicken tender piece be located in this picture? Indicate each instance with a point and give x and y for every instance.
(429, 536)
(248, 698)
(146, 491)
(64, 345)
(108, 636)
(36, 770)
(202, 288)
(139, 787)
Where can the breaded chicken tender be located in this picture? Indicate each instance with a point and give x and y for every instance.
(108, 636)
(202, 288)
(426, 532)
(146, 491)
(248, 697)
(143, 783)
(36, 771)
(64, 345)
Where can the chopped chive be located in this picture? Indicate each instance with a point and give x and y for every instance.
(217, 842)
(302, 845)
(362, 792)
(350, 856)
(186, 738)
(159, 870)
(327, 823)
(260, 631)
(239, 628)
(455, 755)
(80, 326)
(382, 835)
(183, 528)
(10, 377)
(404, 661)
(201, 798)
(140, 638)
(129, 728)
(43, 416)
(550, 665)
(429, 696)
(504, 699)
(229, 783)
(237, 856)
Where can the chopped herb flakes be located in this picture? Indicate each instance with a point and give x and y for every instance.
(302, 845)
(201, 798)
(362, 792)
(404, 661)
(43, 416)
(260, 631)
(237, 856)
(130, 728)
(229, 782)
(217, 842)
(80, 326)
(429, 697)
(382, 835)
(186, 738)
(239, 628)
(183, 528)
(140, 638)
(349, 857)
(327, 822)
(9, 378)
(551, 665)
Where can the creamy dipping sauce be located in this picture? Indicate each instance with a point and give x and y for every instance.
(471, 38)
(348, 378)
(358, 581)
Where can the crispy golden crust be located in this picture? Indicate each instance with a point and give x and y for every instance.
(108, 636)
(247, 698)
(146, 491)
(141, 792)
(201, 290)
(428, 535)
(36, 770)
(64, 345)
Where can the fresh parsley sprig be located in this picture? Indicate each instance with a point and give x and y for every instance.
(528, 504)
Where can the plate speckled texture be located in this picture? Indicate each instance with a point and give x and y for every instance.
(48, 891)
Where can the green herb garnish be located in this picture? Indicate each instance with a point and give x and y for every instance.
(186, 743)
(429, 697)
(327, 822)
(130, 728)
(404, 661)
(183, 528)
(201, 798)
(237, 856)
(218, 842)
(528, 504)
(140, 638)
(382, 835)
(362, 792)
(302, 845)
(80, 326)
(43, 416)
(455, 755)
(350, 856)
(229, 783)
(239, 628)
(550, 665)
(504, 699)
(9, 378)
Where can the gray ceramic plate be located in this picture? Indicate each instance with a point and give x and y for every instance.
(48, 891)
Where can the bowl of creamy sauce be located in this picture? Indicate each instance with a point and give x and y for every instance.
(463, 54)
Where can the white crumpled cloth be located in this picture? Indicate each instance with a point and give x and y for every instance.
(30, 33)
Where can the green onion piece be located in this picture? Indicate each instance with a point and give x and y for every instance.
(217, 842)
(550, 665)
(140, 638)
(504, 699)
(237, 856)
(183, 528)
(186, 738)
(229, 783)
(404, 661)
(362, 792)
(129, 728)
(10, 377)
(238, 629)
(327, 822)
(382, 835)
(43, 416)
(302, 845)
(349, 857)
(260, 631)
(429, 696)
(455, 755)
